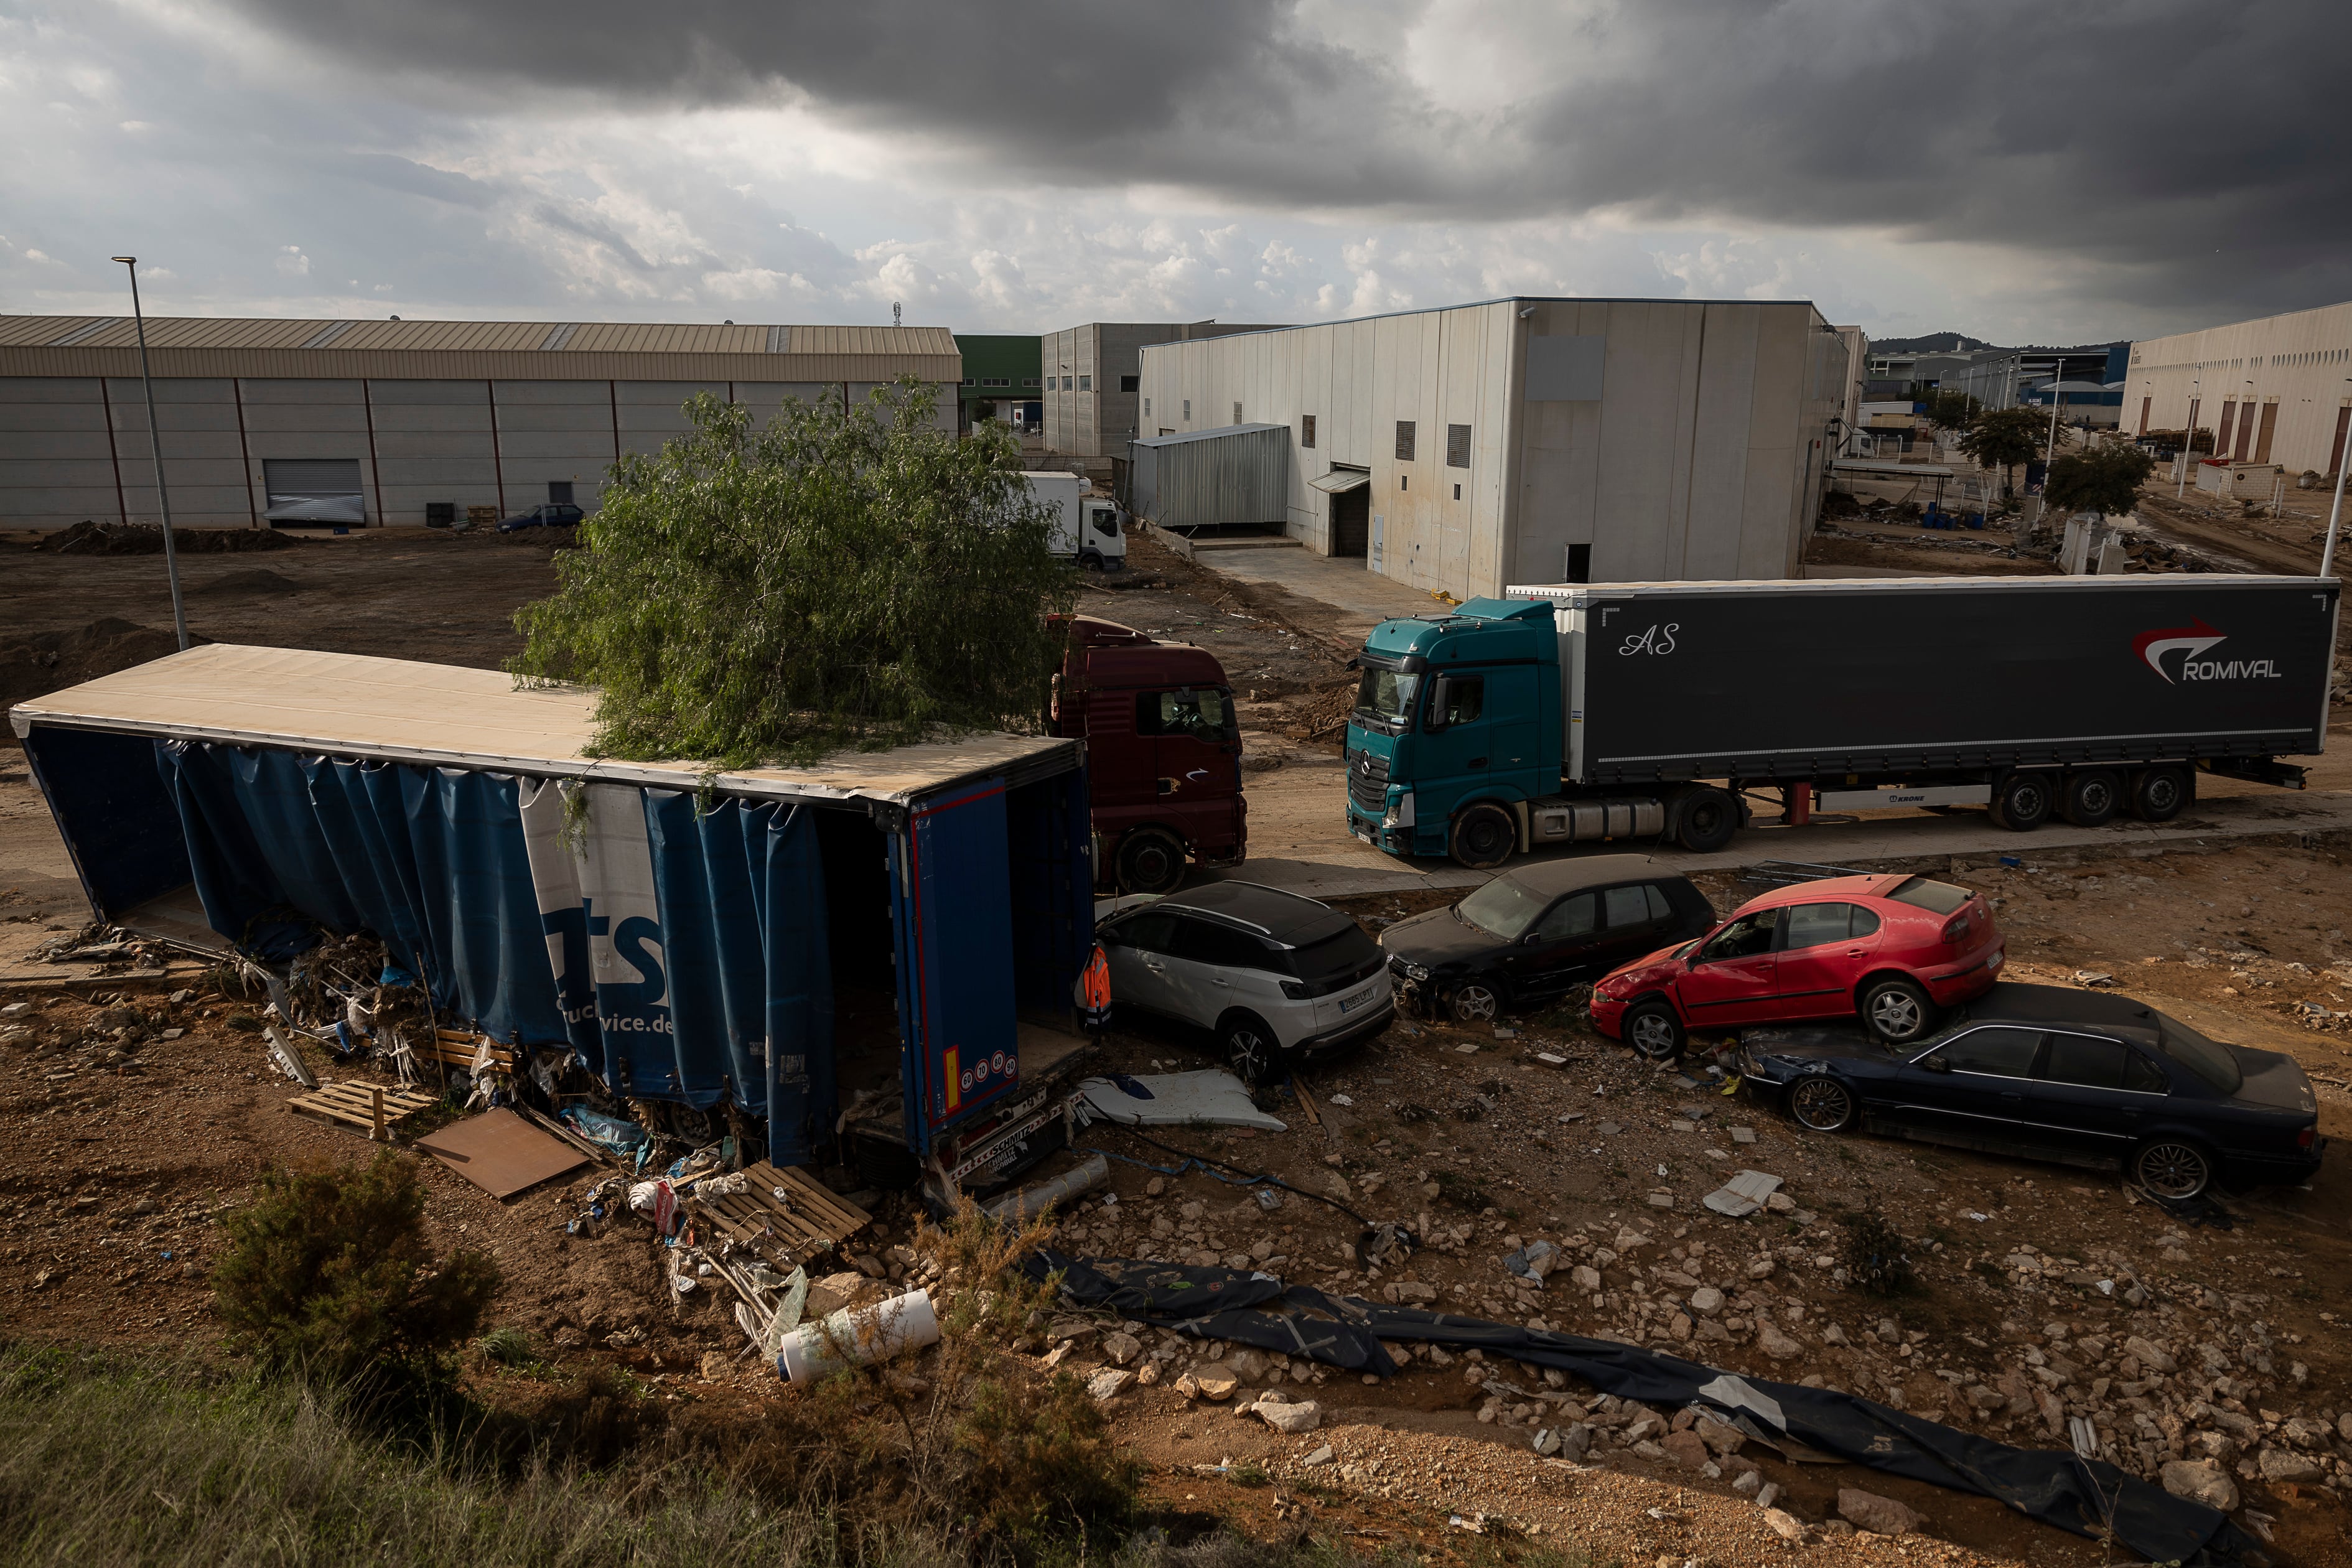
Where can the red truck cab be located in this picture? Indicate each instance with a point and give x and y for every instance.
(1163, 753)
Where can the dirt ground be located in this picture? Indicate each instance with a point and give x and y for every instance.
(134, 1118)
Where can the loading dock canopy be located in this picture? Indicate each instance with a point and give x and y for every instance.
(1339, 482)
(353, 705)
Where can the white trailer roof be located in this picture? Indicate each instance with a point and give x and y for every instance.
(1579, 593)
(351, 705)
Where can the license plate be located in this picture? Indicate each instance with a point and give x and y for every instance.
(1364, 835)
(1349, 1004)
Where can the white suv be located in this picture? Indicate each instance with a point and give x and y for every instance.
(1269, 972)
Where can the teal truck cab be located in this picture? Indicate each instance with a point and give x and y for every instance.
(1460, 744)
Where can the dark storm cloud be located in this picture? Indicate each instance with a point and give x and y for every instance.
(2177, 154)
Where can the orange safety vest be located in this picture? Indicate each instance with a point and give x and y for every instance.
(1094, 990)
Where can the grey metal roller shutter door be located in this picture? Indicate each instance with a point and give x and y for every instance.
(314, 490)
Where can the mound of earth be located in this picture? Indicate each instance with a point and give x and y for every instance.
(259, 580)
(87, 538)
(51, 661)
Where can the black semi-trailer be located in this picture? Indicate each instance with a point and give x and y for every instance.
(1631, 710)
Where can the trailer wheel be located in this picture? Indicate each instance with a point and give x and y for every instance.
(887, 1166)
(1707, 820)
(2092, 797)
(2161, 794)
(1150, 861)
(1484, 836)
(2022, 801)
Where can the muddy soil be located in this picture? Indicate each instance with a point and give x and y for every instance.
(126, 1145)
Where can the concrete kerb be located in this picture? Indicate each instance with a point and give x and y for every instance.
(1328, 880)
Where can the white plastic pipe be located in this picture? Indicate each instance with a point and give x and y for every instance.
(878, 1332)
(1022, 1205)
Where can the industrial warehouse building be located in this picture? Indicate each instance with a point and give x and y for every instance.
(1091, 375)
(389, 422)
(2277, 390)
(1531, 440)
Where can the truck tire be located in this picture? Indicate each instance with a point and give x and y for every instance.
(1707, 820)
(2091, 796)
(2162, 792)
(2022, 800)
(1150, 861)
(1484, 836)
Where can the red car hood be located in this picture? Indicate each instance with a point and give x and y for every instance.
(1655, 969)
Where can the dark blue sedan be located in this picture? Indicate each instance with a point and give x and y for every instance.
(2048, 1073)
(554, 514)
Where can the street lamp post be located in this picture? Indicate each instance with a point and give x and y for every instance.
(2187, 441)
(2334, 512)
(155, 451)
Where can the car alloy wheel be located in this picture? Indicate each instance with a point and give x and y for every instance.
(1896, 1010)
(1249, 1049)
(1476, 1003)
(1821, 1103)
(2173, 1170)
(1655, 1033)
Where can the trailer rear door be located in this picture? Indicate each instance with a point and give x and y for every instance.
(956, 968)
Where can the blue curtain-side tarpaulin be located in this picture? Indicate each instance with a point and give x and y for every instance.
(2058, 1488)
(671, 948)
(429, 859)
(688, 943)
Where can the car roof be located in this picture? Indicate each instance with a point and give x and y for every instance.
(1287, 917)
(1874, 885)
(2059, 1006)
(1550, 879)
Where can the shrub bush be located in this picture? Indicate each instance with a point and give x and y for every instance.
(329, 1270)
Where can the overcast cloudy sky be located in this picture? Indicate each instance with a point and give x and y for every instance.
(2023, 170)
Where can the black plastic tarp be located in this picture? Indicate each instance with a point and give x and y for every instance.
(2055, 1487)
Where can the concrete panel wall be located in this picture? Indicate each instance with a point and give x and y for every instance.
(1699, 459)
(64, 441)
(56, 462)
(2298, 362)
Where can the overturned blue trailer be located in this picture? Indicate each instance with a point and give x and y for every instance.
(877, 952)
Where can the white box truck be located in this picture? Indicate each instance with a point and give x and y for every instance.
(1088, 529)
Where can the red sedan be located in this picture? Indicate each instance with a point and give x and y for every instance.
(1892, 950)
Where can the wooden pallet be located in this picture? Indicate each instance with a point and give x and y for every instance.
(790, 1231)
(458, 1049)
(371, 1108)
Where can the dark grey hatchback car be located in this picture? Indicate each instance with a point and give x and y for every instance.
(1533, 932)
(2050, 1073)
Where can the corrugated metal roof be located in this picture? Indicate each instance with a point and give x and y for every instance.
(1215, 433)
(252, 346)
(355, 705)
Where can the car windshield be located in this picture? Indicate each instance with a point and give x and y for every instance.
(1386, 695)
(2206, 1059)
(1503, 908)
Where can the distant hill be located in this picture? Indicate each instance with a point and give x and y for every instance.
(1933, 344)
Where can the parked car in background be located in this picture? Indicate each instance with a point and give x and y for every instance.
(1533, 932)
(549, 514)
(2044, 1072)
(1891, 950)
(1272, 974)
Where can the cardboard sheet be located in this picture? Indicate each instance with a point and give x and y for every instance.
(501, 1152)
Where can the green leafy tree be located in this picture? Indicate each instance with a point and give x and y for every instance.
(846, 576)
(1952, 410)
(330, 1271)
(2106, 479)
(2003, 438)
